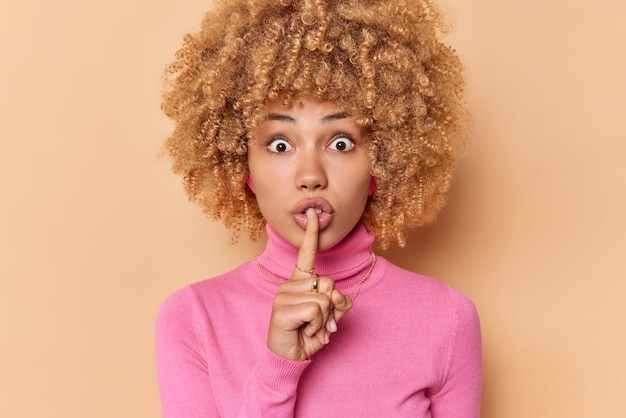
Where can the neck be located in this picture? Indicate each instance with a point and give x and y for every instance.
(346, 262)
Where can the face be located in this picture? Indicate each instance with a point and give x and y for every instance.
(309, 155)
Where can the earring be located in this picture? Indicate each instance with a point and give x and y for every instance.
(250, 184)
(372, 186)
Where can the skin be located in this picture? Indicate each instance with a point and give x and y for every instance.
(301, 158)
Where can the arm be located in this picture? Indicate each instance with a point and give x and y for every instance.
(271, 389)
(184, 372)
(459, 394)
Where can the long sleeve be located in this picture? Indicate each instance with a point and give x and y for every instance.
(272, 387)
(185, 370)
(182, 370)
(459, 394)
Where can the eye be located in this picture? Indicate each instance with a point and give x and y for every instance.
(341, 143)
(279, 145)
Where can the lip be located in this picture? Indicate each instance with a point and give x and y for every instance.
(324, 218)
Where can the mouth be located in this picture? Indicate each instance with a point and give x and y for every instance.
(323, 209)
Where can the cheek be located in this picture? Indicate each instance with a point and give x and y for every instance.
(357, 191)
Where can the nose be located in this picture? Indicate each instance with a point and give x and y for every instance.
(311, 172)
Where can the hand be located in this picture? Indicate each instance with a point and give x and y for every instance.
(302, 320)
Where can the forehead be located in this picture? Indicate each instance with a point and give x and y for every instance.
(304, 112)
(306, 115)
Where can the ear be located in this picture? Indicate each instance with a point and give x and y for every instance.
(250, 184)
(372, 186)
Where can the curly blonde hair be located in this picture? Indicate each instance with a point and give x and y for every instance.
(380, 60)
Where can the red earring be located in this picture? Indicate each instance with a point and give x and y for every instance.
(250, 184)
(372, 186)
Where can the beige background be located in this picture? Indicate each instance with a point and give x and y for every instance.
(95, 231)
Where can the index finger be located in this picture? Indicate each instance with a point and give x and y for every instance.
(308, 249)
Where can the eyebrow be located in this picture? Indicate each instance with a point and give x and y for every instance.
(289, 119)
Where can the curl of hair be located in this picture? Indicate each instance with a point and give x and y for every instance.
(380, 60)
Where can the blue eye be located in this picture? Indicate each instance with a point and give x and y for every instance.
(279, 145)
(341, 143)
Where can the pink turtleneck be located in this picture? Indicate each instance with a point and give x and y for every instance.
(410, 346)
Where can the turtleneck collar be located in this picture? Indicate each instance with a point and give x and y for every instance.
(346, 262)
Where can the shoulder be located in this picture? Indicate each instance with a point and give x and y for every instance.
(444, 308)
(190, 302)
(463, 307)
(442, 312)
(430, 293)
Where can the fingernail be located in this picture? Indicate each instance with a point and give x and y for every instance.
(326, 338)
(341, 299)
(333, 325)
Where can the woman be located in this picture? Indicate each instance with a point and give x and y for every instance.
(331, 124)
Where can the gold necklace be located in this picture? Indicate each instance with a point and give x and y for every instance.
(272, 277)
(266, 273)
